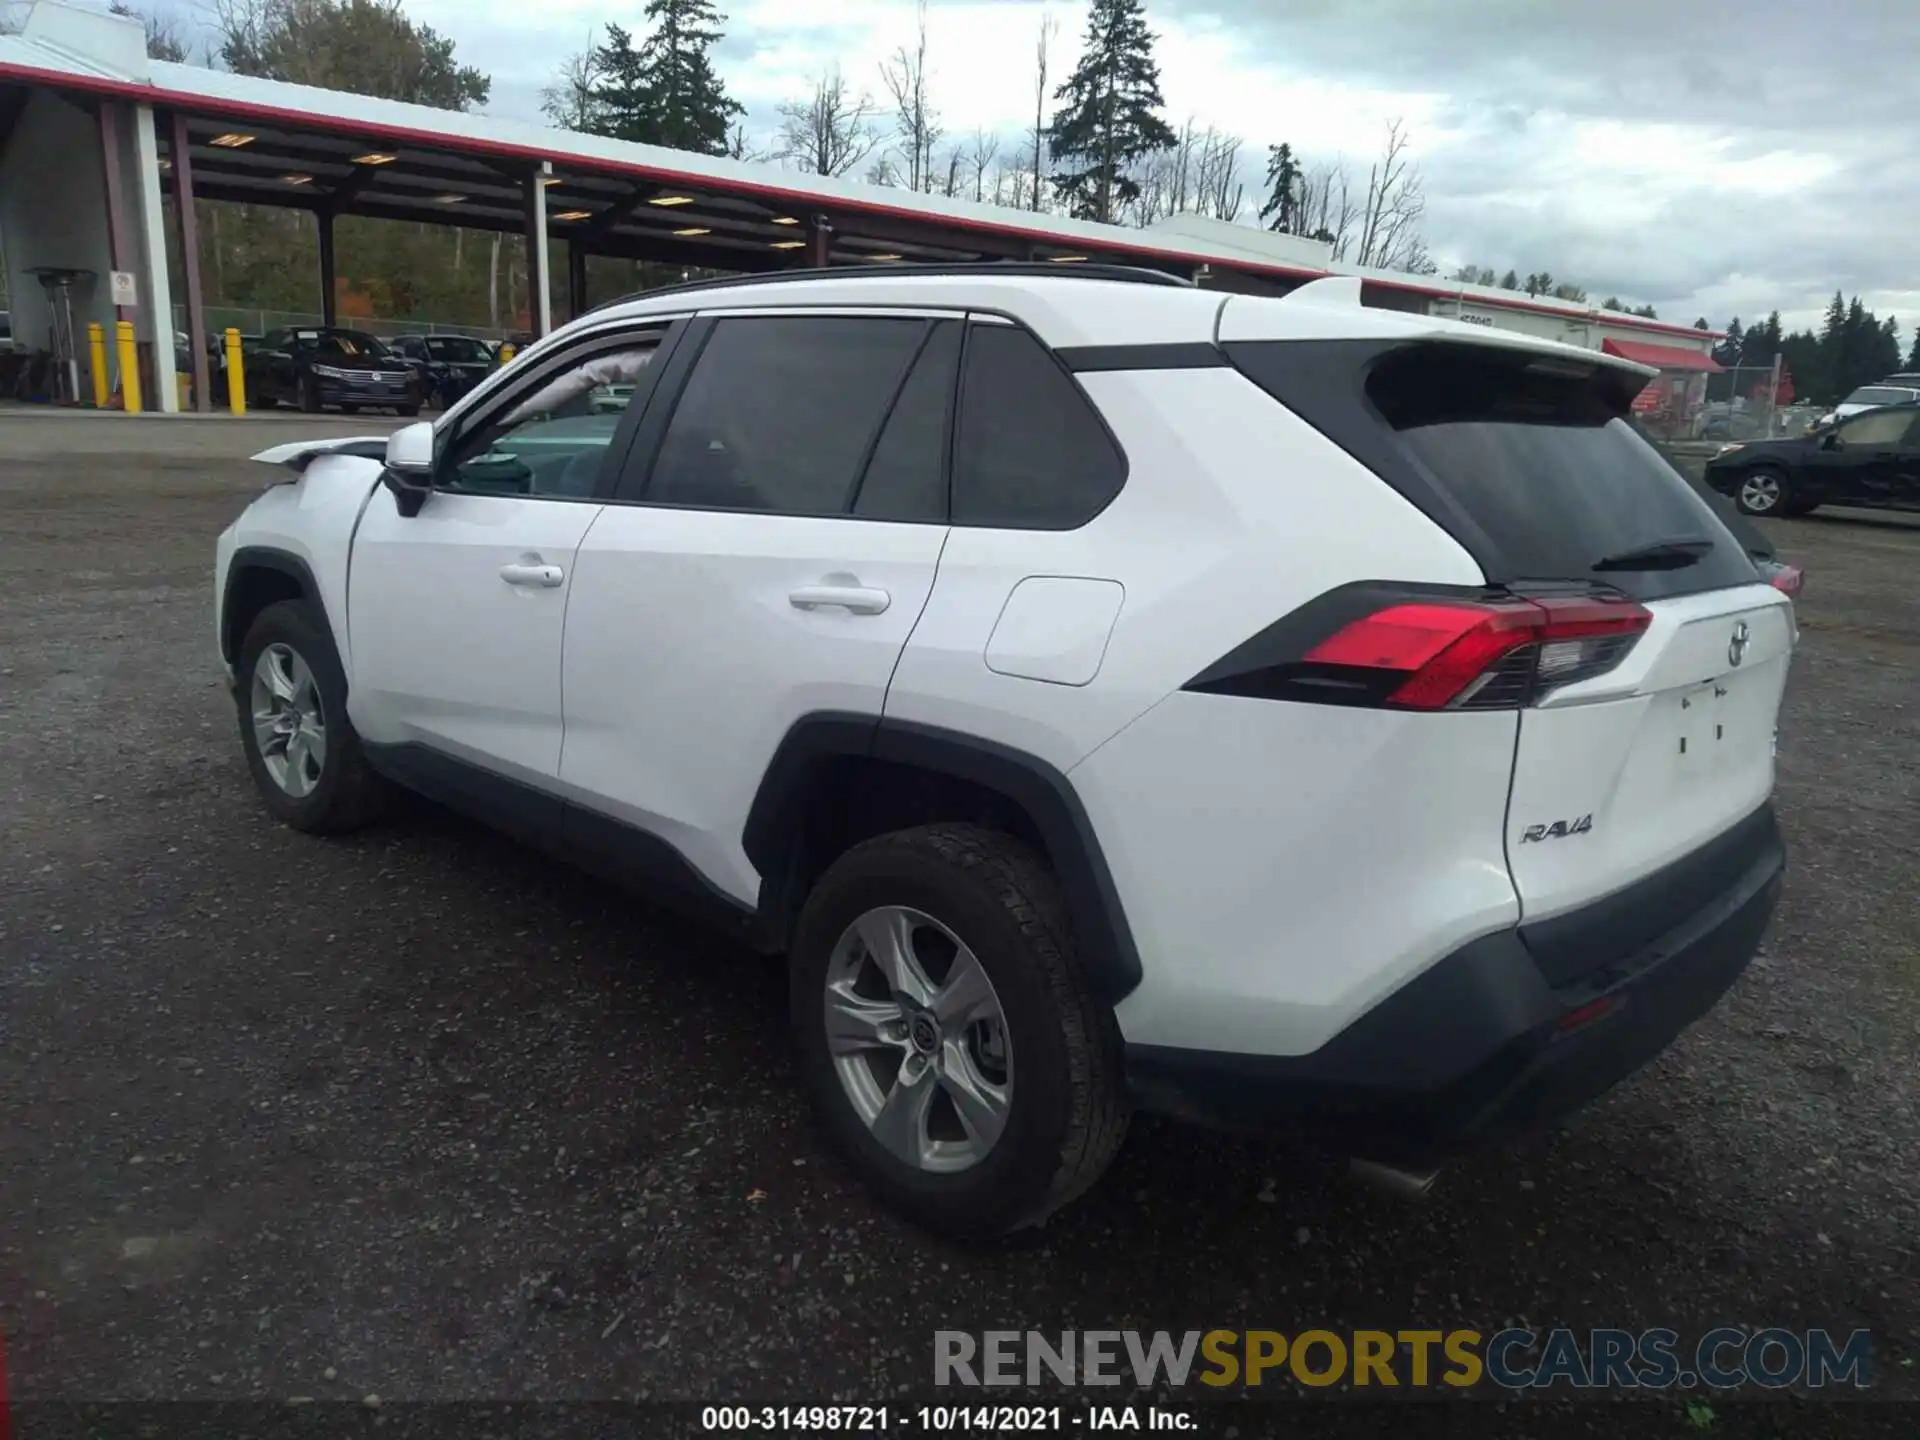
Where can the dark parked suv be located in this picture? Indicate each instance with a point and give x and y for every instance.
(314, 368)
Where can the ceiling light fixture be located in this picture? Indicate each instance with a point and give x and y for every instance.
(573, 215)
(448, 199)
(549, 181)
(785, 220)
(232, 140)
(665, 200)
(789, 245)
(375, 157)
(1068, 259)
(883, 257)
(298, 179)
(166, 164)
(694, 230)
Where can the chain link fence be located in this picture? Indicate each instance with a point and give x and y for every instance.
(1743, 402)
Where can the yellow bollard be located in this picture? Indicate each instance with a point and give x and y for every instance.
(506, 353)
(236, 375)
(97, 354)
(129, 366)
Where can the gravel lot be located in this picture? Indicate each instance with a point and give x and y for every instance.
(420, 1115)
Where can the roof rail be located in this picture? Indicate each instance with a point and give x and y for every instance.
(1127, 274)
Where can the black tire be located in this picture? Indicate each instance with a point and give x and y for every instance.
(347, 793)
(1068, 1111)
(1781, 502)
(310, 395)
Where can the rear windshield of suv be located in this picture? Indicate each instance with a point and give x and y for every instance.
(1881, 395)
(1531, 462)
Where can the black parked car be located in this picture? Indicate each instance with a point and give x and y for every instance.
(1760, 549)
(445, 366)
(316, 367)
(1870, 459)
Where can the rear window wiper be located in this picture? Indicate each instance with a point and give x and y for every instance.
(1674, 554)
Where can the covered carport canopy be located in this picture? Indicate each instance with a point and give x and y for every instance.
(84, 81)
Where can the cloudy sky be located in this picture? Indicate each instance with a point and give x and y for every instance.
(1712, 158)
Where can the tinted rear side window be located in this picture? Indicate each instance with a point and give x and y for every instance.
(1530, 462)
(780, 411)
(907, 477)
(1030, 453)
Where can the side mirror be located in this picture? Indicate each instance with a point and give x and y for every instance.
(409, 472)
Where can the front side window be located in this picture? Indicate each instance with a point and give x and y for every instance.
(552, 440)
(1876, 429)
(780, 412)
(454, 349)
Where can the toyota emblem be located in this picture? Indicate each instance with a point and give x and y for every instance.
(1737, 646)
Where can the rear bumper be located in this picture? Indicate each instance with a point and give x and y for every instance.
(1482, 1047)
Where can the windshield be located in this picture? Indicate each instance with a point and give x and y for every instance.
(457, 348)
(341, 345)
(1879, 395)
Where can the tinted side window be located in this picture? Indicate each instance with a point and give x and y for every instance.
(1876, 429)
(780, 411)
(907, 477)
(1030, 453)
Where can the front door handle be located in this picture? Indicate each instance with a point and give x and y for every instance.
(858, 598)
(545, 577)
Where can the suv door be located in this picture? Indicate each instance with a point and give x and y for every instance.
(774, 538)
(1855, 464)
(455, 612)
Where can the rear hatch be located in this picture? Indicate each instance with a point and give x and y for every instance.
(1645, 744)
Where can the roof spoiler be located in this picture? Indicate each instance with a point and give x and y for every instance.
(1327, 290)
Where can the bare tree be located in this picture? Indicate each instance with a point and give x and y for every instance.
(1327, 209)
(986, 149)
(568, 102)
(1219, 191)
(164, 41)
(1049, 27)
(916, 124)
(1389, 235)
(832, 131)
(950, 176)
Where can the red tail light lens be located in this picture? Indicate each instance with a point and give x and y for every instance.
(1787, 579)
(1484, 655)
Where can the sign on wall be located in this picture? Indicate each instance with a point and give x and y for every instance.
(125, 292)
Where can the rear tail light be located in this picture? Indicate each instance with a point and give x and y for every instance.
(1786, 578)
(1473, 654)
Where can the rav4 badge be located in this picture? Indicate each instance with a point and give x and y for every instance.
(1558, 830)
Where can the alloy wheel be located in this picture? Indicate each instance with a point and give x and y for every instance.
(919, 1039)
(1760, 492)
(289, 724)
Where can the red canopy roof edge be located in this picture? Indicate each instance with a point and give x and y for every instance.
(1661, 357)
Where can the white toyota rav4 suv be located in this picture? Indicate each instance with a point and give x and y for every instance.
(1108, 694)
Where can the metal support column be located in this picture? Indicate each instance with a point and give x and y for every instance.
(329, 286)
(819, 241)
(189, 231)
(576, 279)
(119, 236)
(539, 277)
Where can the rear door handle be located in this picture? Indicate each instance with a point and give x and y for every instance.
(857, 598)
(545, 577)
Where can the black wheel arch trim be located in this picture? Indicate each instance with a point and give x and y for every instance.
(1041, 791)
(260, 557)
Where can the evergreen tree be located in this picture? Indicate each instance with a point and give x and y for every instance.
(1282, 210)
(620, 94)
(1913, 355)
(1109, 116)
(1727, 352)
(1510, 280)
(666, 92)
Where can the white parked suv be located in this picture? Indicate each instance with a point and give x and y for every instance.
(1108, 693)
